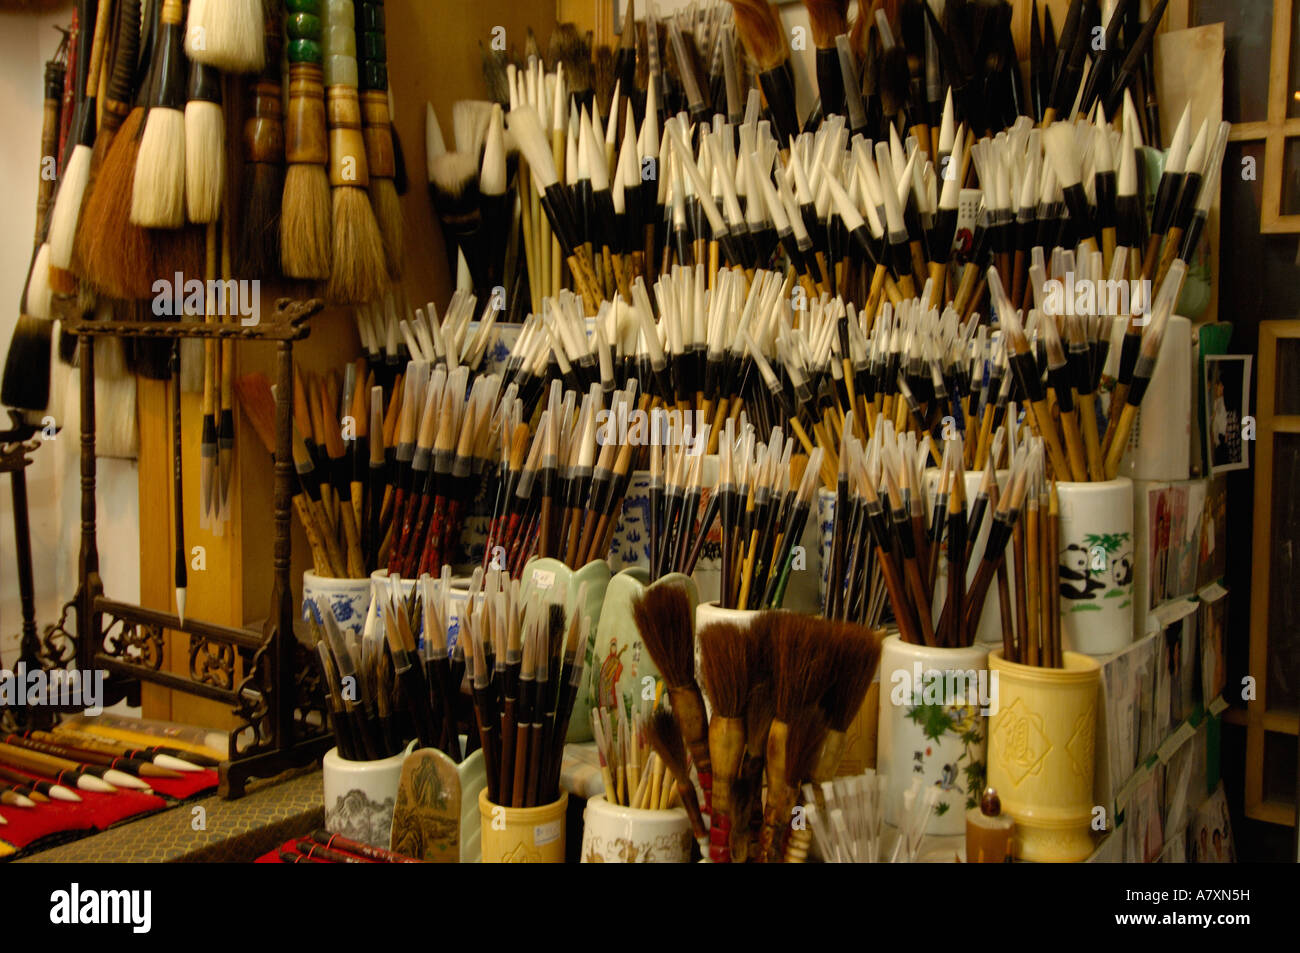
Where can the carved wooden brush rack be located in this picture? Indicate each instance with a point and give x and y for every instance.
(278, 703)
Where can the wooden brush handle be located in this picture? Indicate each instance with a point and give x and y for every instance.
(264, 126)
(347, 145)
(305, 141)
(378, 131)
(126, 48)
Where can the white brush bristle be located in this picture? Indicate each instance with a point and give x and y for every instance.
(227, 34)
(67, 207)
(116, 434)
(1058, 140)
(158, 189)
(205, 160)
(38, 287)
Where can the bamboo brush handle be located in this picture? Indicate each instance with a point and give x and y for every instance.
(126, 47)
(378, 132)
(304, 134)
(347, 144)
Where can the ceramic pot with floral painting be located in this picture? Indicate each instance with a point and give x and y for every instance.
(932, 725)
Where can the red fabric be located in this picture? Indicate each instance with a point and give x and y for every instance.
(273, 856)
(185, 787)
(95, 812)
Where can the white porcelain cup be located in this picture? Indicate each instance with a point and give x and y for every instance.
(612, 834)
(1097, 565)
(360, 796)
(931, 726)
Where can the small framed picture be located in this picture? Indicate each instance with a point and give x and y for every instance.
(1227, 392)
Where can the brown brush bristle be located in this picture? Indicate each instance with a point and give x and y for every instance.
(798, 659)
(254, 392)
(803, 744)
(860, 30)
(259, 240)
(116, 255)
(305, 222)
(494, 74)
(724, 660)
(176, 249)
(828, 19)
(666, 739)
(855, 652)
(642, 78)
(388, 216)
(760, 30)
(663, 617)
(358, 271)
(602, 76)
(894, 80)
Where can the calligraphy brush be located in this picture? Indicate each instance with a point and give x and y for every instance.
(664, 733)
(664, 620)
(12, 796)
(358, 271)
(305, 213)
(725, 656)
(26, 379)
(1166, 200)
(158, 188)
(92, 16)
(380, 139)
(136, 768)
(1133, 58)
(855, 654)
(1185, 204)
(267, 141)
(1209, 188)
(31, 755)
(59, 771)
(54, 791)
(227, 34)
(91, 742)
(205, 145)
(828, 19)
(406, 667)
(368, 851)
(761, 33)
(570, 681)
(1152, 337)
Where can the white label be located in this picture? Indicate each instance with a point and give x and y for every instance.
(1212, 592)
(543, 834)
(543, 578)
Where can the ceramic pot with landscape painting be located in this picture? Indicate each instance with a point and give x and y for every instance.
(1097, 561)
(360, 795)
(932, 726)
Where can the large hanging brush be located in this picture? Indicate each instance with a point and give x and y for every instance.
(158, 189)
(372, 63)
(305, 223)
(116, 257)
(76, 169)
(357, 272)
(227, 34)
(205, 145)
(26, 380)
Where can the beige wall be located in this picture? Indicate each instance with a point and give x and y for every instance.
(26, 42)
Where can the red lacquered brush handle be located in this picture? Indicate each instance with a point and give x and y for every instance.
(720, 838)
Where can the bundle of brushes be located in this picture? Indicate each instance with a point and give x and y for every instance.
(526, 664)
(324, 847)
(633, 772)
(784, 691)
(846, 816)
(399, 679)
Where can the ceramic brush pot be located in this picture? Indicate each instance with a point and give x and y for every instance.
(934, 730)
(360, 795)
(613, 834)
(522, 835)
(1042, 741)
(348, 599)
(1097, 565)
